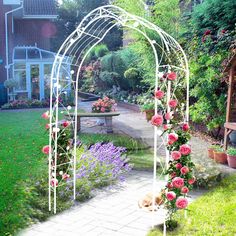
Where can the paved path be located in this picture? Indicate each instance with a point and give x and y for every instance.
(112, 212)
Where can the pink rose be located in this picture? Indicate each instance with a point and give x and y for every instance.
(165, 127)
(185, 127)
(173, 175)
(181, 203)
(157, 120)
(185, 149)
(159, 94)
(192, 180)
(46, 149)
(54, 182)
(65, 124)
(172, 137)
(171, 76)
(169, 185)
(184, 170)
(170, 196)
(184, 190)
(173, 103)
(103, 109)
(47, 126)
(45, 115)
(178, 166)
(176, 155)
(168, 115)
(65, 176)
(178, 182)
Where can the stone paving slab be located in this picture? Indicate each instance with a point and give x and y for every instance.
(111, 212)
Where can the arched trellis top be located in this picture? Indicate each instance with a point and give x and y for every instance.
(91, 31)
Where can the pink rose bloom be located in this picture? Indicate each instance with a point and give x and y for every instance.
(184, 170)
(45, 115)
(169, 185)
(173, 103)
(103, 109)
(157, 120)
(185, 149)
(172, 137)
(184, 190)
(170, 196)
(65, 124)
(176, 155)
(178, 182)
(185, 127)
(171, 76)
(46, 149)
(54, 182)
(159, 94)
(173, 175)
(192, 180)
(65, 176)
(165, 127)
(168, 115)
(47, 126)
(181, 203)
(178, 166)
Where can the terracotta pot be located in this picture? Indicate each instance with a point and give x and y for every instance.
(220, 157)
(231, 161)
(149, 114)
(211, 153)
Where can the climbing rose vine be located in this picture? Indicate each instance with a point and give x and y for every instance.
(180, 168)
(64, 149)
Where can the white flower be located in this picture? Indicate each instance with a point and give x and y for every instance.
(55, 129)
(61, 172)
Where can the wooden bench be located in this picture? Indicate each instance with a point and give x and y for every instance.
(229, 127)
(107, 115)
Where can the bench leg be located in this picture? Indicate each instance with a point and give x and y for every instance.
(227, 133)
(108, 122)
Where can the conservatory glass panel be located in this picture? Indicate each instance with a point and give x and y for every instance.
(20, 76)
(47, 79)
(33, 54)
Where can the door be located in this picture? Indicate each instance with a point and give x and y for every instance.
(35, 81)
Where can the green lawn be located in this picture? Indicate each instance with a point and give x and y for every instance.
(22, 137)
(212, 214)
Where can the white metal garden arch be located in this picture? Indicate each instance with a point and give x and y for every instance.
(91, 31)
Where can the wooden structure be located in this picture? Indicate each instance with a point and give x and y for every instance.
(107, 117)
(230, 124)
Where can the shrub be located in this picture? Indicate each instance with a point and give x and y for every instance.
(231, 152)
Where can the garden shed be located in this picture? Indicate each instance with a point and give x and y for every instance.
(230, 124)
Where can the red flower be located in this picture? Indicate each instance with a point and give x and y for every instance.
(184, 170)
(170, 196)
(176, 155)
(47, 126)
(184, 190)
(54, 182)
(159, 94)
(181, 203)
(185, 149)
(207, 32)
(178, 165)
(45, 115)
(192, 180)
(169, 185)
(173, 175)
(65, 176)
(178, 182)
(185, 127)
(171, 76)
(65, 124)
(46, 149)
(168, 115)
(172, 137)
(223, 31)
(173, 103)
(157, 120)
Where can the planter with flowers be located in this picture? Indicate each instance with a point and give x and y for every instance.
(231, 157)
(219, 155)
(149, 110)
(104, 105)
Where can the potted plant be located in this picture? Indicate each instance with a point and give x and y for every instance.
(10, 84)
(149, 109)
(219, 155)
(231, 157)
(211, 150)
